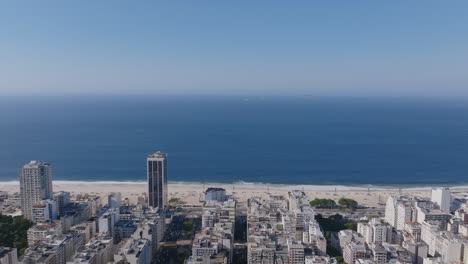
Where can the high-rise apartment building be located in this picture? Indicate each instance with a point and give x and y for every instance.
(442, 197)
(157, 179)
(35, 185)
(62, 199)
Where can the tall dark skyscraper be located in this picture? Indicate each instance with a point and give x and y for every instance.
(157, 179)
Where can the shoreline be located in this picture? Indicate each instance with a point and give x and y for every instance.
(192, 193)
(257, 185)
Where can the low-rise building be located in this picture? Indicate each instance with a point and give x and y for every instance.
(8, 255)
(135, 251)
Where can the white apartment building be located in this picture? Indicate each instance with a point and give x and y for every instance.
(35, 185)
(106, 222)
(8, 255)
(379, 253)
(418, 250)
(44, 210)
(204, 247)
(295, 253)
(353, 251)
(449, 247)
(398, 211)
(429, 230)
(135, 251)
(345, 237)
(208, 218)
(98, 250)
(414, 229)
(365, 230)
(320, 260)
(41, 231)
(260, 254)
(442, 197)
(404, 214)
(374, 231)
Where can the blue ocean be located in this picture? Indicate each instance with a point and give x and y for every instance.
(278, 140)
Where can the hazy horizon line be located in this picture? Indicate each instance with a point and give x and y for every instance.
(233, 95)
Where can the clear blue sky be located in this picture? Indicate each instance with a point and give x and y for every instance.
(401, 48)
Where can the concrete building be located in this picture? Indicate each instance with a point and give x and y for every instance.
(295, 253)
(203, 246)
(442, 197)
(341, 239)
(97, 250)
(208, 218)
(44, 210)
(151, 229)
(85, 229)
(320, 260)
(417, 250)
(8, 255)
(215, 194)
(135, 251)
(398, 211)
(449, 247)
(35, 185)
(114, 200)
(404, 215)
(414, 229)
(427, 214)
(157, 180)
(41, 231)
(374, 231)
(429, 231)
(62, 199)
(379, 254)
(107, 221)
(44, 253)
(282, 231)
(353, 251)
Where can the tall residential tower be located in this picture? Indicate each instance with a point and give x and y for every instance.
(157, 179)
(442, 197)
(35, 185)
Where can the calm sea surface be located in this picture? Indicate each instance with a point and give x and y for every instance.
(229, 139)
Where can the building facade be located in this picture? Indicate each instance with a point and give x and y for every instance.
(442, 197)
(35, 185)
(157, 180)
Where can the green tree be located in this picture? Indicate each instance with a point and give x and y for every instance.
(340, 259)
(351, 225)
(188, 225)
(323, 203)
(174, 200)
(348, 203)
(13, 232)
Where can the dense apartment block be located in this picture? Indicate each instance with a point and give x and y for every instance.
(35, 185)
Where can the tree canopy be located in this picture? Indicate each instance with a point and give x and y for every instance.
(323, 203)
(348, 203)
(13, 232)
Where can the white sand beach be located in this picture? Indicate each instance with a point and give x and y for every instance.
(192, 193)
